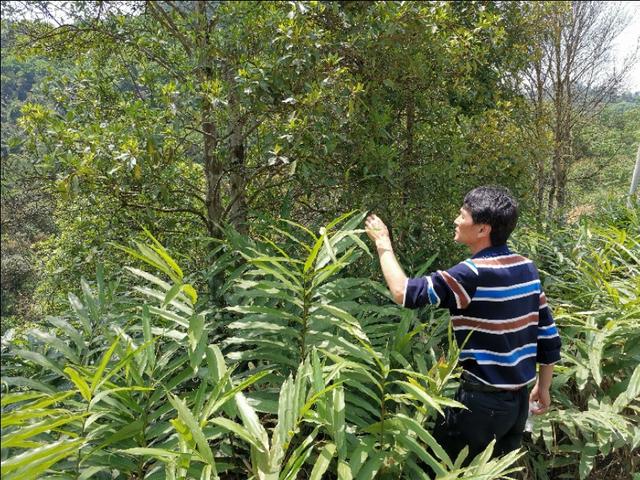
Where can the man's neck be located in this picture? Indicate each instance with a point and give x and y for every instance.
(480, 245)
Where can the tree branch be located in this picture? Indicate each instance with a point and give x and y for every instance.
(164, 19)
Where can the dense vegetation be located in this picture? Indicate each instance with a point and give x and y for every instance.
(183, 294)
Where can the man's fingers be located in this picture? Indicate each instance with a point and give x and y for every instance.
(539, 407)
(539, 411)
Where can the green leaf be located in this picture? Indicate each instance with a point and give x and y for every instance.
(148, 338)
(33, 462)
(69, 330)
(360, 243)
(39, 359)
(149, 277)
(21, 416)
(97, 377)
(106, 393)
(344, 471)
(339, 219)
(78, 307)
(420, 394)
(301, 227)
(187, 417)
(371, 467)
(191, 293)
(237, 429)
(327, 245)
(158, 453)
(587, 458)
(292, 237)
(323, 461)
(9, 398)
(153, 261)
(171, 294)
(79, 382)
(425, 436)
(89, 472)
(14, 438)
(89, 299)
(121, 363)
(251, 422)
(314, 253)
(44, 401)
(411, 444)
(128, 431)
(164, 254)
(299, 456)
(57, 343)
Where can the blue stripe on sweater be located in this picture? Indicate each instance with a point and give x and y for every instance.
(547, 332)
(507, 292)
(502, 359)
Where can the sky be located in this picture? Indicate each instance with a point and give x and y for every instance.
(626, 41)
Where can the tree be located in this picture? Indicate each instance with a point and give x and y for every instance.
(569, 81)
(25, 213)
(203, 114)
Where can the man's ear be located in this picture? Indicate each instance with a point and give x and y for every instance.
(484, 231)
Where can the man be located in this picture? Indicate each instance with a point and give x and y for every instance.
(500, 318)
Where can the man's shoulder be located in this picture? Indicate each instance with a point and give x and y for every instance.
(499, 262)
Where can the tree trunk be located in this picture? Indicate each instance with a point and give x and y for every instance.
(238, 181)
(561, 105)
(539, 138)
(408, 157)
(213, 171)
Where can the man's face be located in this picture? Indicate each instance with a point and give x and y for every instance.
(467, 232)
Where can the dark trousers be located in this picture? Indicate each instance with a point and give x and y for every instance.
(500, 415)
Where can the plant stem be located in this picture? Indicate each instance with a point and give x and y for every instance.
(305, 317)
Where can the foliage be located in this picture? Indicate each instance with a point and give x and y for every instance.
(118, 123)
(606, 150)
(270, 352)
(591, 273)
(25, 209)
(130, 385)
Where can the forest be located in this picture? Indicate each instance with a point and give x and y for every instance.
(187, 289)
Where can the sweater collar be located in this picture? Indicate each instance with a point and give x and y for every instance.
(493, 251)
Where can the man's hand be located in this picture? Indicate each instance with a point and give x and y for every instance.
(542, 396)
(378, 232)
(393, 274)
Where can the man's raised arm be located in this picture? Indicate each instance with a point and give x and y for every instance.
(391, 269)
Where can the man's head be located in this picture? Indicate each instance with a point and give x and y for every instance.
(488, 214)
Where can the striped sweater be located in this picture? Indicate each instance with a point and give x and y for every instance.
(499, 313)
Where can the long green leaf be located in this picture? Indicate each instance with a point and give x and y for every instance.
(189, 420)
(49, 425)
(323, 461)
(79, 382)
(314, 253)
(33, 462)
(159, 248)
(251, 422)
(238, 430)
(97, 377)
(9, 398)
(171, 294)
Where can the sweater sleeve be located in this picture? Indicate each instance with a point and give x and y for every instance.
(548, 338)
(452, 289)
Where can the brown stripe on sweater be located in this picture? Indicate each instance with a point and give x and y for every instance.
(498, 262)
(495, 326)
(462, 299)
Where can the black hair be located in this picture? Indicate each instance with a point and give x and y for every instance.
(494, 206)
